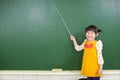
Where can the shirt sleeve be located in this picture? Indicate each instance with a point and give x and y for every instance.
(80, 47)
(99, 46)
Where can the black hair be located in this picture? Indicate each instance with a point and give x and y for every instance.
(93, 28)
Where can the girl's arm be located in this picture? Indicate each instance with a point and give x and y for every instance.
(100, 69)
(77, 47)
(99, 47)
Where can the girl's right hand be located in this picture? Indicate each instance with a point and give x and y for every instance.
(72, 37)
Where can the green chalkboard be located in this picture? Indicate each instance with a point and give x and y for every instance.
(33, 37)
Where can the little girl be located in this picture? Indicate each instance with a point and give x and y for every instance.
(92, 64)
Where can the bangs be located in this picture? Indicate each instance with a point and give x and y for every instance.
(92, 28)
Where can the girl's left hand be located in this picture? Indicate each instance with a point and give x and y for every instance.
(100, 71)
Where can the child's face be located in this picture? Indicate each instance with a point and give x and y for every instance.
(90, 35)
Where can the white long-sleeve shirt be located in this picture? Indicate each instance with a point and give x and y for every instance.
(99, 47)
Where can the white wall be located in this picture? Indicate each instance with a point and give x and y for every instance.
(49, 75)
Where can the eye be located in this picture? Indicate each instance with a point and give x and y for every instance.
(92, 32)
(88, 32)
